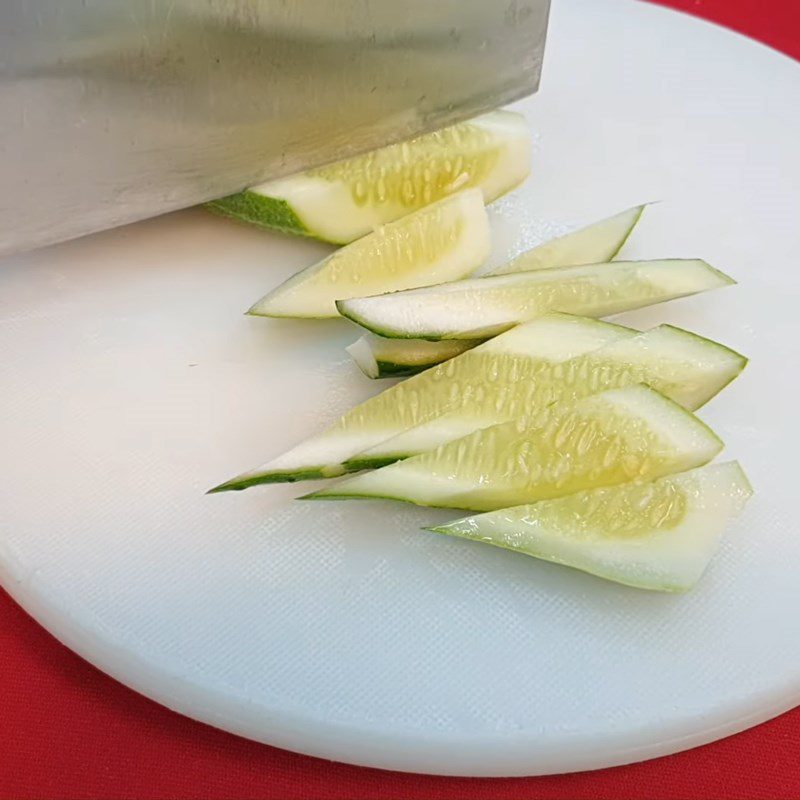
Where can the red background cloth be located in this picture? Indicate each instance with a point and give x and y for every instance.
(68, 731)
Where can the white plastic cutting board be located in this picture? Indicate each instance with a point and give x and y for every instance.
(131, 383)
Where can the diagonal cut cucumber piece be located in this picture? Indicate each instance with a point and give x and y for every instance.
(602, 440)
(444, 241)
(594, 244)
(483, 307)
(680, 365)
(379, 357)
(460, 383)
(343, 201)
(658, 535)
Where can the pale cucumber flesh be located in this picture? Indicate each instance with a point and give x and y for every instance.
(681, 365)
(515, 356)
(442, 242)
(484, 307)
(595, 243)
(603, 440)
(378, 357)
(656, 535)
(343, 201)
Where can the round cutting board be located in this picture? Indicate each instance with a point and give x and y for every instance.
(131, 383)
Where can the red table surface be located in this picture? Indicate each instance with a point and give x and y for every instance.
(69, 731)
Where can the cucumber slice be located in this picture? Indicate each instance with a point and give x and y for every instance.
(257, 209)
(456, 385)
(484, 307)
(680, 365)
(602, 440)
(444, 241)
(658, 535)
(342, 201)
(378, 357)
(596, 243)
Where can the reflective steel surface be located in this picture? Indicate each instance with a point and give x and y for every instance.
(115, 110)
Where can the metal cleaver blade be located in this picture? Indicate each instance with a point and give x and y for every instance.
(116, 110)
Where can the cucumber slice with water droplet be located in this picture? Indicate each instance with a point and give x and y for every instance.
(658, 535)
(483, 307)
(444, 241)
(594, 244)
(603, 440)
(556, 337)
(681, 365)
(379, 357)
(342, 201)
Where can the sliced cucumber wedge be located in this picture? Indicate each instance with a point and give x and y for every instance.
(459, 384)
(484, 307)
(681, 365)
(379, 357)
(594, 244)
(603, 440)
(658, 535)
(444, 241)
(342, 201)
